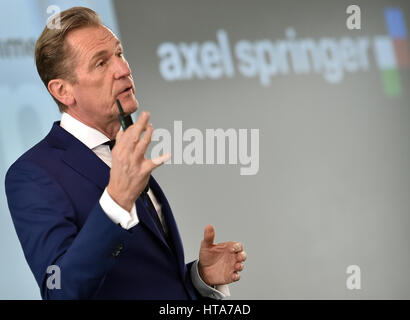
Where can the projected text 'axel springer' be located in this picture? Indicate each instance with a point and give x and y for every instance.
(264, 59)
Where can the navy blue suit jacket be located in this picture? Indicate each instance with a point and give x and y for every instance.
(53, 193)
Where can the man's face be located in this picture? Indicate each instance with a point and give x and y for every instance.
(102, 75)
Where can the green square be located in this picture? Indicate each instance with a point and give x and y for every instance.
(391, 82)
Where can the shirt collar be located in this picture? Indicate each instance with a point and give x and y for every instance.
(89, 136)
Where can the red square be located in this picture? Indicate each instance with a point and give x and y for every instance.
(401, 48)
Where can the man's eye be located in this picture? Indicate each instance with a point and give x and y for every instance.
(101, 63)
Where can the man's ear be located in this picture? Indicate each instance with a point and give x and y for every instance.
(62, 91)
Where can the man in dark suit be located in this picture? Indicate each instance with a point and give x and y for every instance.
(90, 208)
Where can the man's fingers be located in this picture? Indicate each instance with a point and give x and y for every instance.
(135, 131)
(142, 146)
(235, 276)
(237, 247)
(241, 256)
(239, 266)
(156, 162)
(118, 136)
(209, 235)
(132, 135)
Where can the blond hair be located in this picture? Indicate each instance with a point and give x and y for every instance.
(54, 57)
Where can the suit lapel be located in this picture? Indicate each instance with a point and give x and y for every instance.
(84, 161)
(79, 157)
(145, 218)
(171, 223)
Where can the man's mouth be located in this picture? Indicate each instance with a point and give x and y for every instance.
(128, 89)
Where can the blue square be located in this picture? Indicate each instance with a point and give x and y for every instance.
(395, 22)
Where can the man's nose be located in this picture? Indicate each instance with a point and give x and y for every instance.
(122, 69)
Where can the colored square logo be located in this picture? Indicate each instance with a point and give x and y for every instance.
(384, 51)
(401, 48)
(395, 22)
(391, 82)
(392, 51)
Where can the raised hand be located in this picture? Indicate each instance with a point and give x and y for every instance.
(220, 263)
(130, 169)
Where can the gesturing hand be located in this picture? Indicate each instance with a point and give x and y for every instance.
(130, 169)
(219, 263)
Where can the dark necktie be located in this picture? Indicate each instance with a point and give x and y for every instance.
(154, 214)
(111, 144)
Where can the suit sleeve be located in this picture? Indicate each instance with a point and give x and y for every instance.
(218, 292)
(44, 219)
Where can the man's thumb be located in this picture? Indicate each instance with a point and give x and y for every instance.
(209, 235)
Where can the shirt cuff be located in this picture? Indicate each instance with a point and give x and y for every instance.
(219, 292)
(116, 213)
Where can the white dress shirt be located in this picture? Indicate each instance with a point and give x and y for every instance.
(94, 140)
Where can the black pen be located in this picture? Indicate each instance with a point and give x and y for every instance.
(125, 120)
